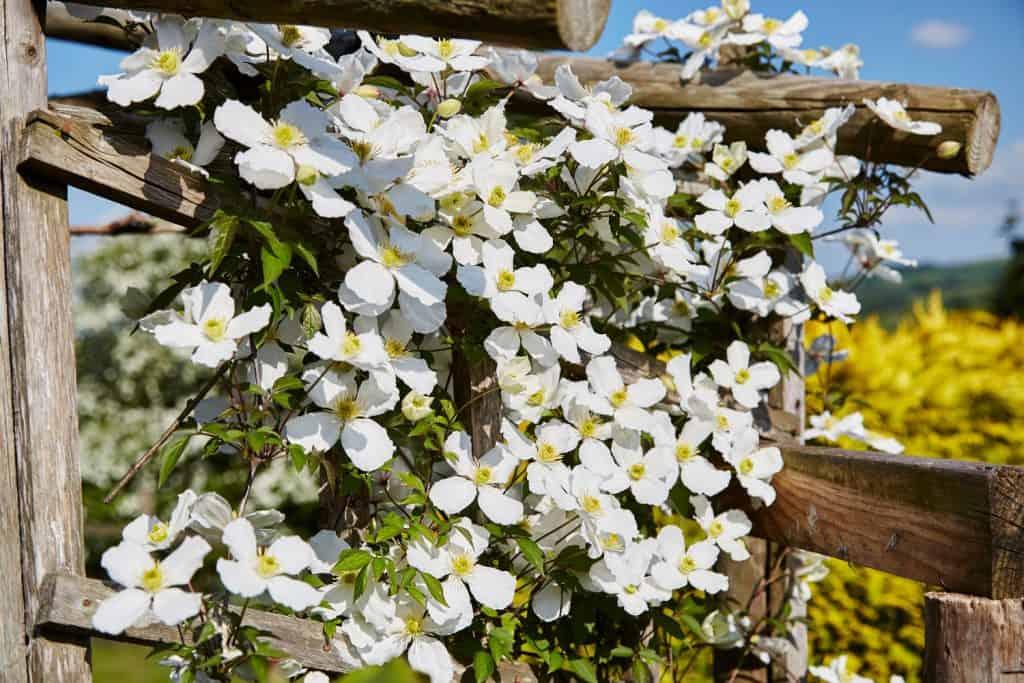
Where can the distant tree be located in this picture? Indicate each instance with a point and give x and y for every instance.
(1008, 299)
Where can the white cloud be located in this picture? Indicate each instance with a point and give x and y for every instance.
(939, 34)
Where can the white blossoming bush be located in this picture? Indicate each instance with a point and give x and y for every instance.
(388, 237)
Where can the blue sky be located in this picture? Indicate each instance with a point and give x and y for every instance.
(964, 44)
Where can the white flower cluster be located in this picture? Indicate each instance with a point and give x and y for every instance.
(433, 206)
(704, 32)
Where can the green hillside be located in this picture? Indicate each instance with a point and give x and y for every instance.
(966, 285)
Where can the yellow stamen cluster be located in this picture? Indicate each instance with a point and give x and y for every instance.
(214, 328)
(687, 565)
(445, 48)
(623, 136)
(569, 319)
(267, 566)
(618, 397)
(290, 35)
(483, 475)
(394, 348)
(506, 280)
(286, 135)
(497, 197)
(547, 453)
(152, 579)
(346, 409)
(393, 257)
(743, 376)
(637, 471)
(351, 344)
(746, 466)
(158, 534)
(684, 452)
(167, 62)
(462, 565)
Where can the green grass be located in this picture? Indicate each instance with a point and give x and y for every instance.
(124, 663)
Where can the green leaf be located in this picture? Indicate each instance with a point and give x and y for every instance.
(584, 669)
(483, 87)
(621, 651)
(435, 588)
(170, 454)
(306, 255)
(223, 229)
(359, 587)
(352, 559)
(389, 82)
(274, 262)
(500, 642)
(802, 241)
(532, 552)
(483, 666)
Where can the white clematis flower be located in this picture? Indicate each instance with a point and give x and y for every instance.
(149, 533)
(614, 134)
(209, 325)
(167, 136)
(523, 313)
(682, 566)
(894, 114)
(694, 136)
(518, 68)
(649, 477)
(447, 53)
(726, 530)
(170, 69)
(256, 570)
(150, 586)
(726, 160)
(494, 183)
(629, 405)
(482, 480)
(799, 166)
(498, 274)
(695, 471)
(745, 380)
(458, 564)
(625, 575)
(754, 466)
(363, 349)
(396, 332)
(347, 411)
(745, 209)
(570, 330)
(838, 672)
(777, 33)
(834, 302)
(295, 147)
(395, 259)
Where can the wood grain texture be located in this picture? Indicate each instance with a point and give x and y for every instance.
(70, 601)
(84, 148)
(749, 105)
(549, 24)
(973, 640)
(942, 522)
(476, 387)
(40, 483)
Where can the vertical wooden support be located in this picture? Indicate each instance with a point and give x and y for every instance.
(745, 577)
(40, 484)
(973, 640)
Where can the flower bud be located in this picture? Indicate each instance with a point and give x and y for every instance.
(416, 406)
(405, 50)
(949, 149)
(306, 175)
(368, 91)
(449, 108)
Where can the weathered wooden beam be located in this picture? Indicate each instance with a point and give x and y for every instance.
(749, 105)
(82, 148)
(40, 482)
(132, 224)
(60, 24)
(973, 640)
(958, 525)
(68, 603)
(548, 24)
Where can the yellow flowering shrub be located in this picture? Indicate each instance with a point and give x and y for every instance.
(947, 384)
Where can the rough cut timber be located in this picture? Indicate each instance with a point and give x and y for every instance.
(547, 24)
(749, 105)
(973, 640)
(40, 482)
(68, 603)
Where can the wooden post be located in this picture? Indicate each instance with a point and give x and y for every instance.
(548, 24)
(40, 485)
(973, 640)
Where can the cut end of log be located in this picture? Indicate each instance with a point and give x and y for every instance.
(983, 135)
(581, 22)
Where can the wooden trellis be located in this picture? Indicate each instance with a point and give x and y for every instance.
(955, 525)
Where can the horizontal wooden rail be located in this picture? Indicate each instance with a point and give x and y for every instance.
(83, 148)
(749, 105)
(548, 24)
(68, 602)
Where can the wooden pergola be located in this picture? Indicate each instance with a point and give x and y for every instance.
(956, 525)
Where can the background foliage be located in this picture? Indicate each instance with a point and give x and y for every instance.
(945, 383)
